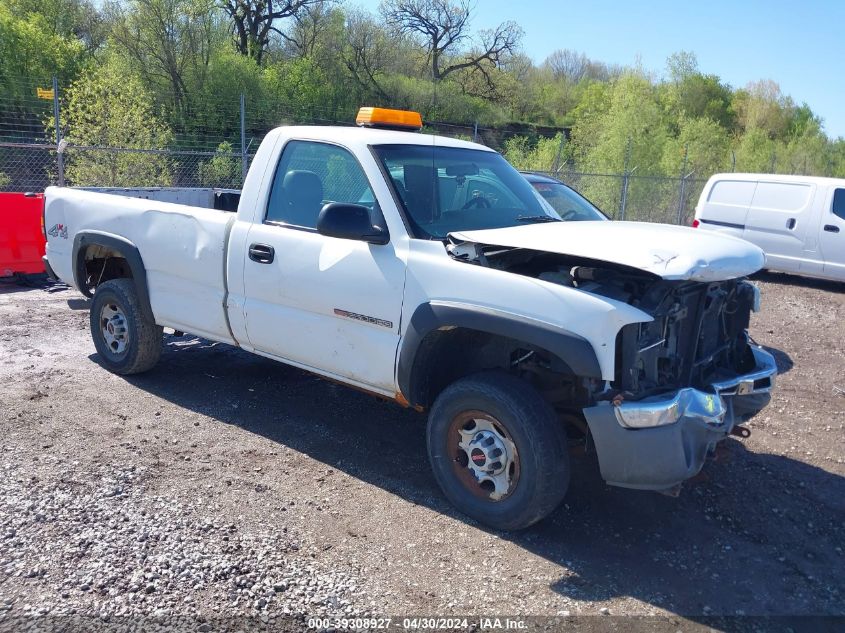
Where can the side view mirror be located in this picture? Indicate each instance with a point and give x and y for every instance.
(350, 222)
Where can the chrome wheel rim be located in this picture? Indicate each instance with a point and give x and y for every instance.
(115, 328)
(485, 458)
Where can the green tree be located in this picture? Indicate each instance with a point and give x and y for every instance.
(108, 108)
(700, 96)
(589, 116)
(762, 105)
(705, 144)
(215, 103)
(806, 150)
(756, 152)
(622, 127)
(31, 52)
(223, 169)
(544, 155)
(73, 20)
(167, 43)
(835, 159)
(304, 91)
(627, 130)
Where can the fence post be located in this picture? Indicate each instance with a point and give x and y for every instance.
(733, 161)
(624, 200)
(475, 133)
(684, 191)
(244, 157)
(625, 174)
(683, 184)
(60, 155)
(556, 164)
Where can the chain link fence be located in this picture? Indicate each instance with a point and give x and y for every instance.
(36, 149)
(33, 167)
(34, 154)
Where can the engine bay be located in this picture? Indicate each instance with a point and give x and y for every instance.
(698, 335)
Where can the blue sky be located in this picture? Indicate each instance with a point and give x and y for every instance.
(800, 45)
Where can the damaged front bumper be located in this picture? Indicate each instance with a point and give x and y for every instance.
(657, 443)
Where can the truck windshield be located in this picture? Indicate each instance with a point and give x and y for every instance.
(446, 189)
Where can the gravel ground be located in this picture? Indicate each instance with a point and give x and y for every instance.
(223, 484)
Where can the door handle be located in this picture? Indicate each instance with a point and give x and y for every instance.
(262, 253)
(790, 223)
(831, 228)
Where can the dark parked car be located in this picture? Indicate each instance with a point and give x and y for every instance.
(569, 204)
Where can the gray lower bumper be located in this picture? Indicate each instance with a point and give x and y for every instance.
(661, 457)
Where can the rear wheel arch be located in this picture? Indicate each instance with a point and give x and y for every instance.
(427, 365)
(116, 247)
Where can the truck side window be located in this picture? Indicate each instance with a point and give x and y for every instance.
(839, 203)
(310, 175)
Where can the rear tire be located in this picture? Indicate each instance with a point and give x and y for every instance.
(125, 340)
(498, 451)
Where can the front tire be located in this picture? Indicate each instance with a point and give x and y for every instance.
(125, 340)
(498, 451)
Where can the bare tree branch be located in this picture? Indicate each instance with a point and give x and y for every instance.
(253, 21)
(167, 38)
(366, 52)
(442, 27)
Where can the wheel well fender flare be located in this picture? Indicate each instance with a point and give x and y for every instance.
(576, 351)
(130, 253)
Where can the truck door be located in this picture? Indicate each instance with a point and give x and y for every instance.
(328, 304)
(832, 236)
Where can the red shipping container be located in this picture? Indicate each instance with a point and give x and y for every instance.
(21, 239)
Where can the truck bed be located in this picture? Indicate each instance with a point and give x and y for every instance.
(206, 197)
(183, 249)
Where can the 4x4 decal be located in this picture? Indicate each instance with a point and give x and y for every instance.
(58, 230)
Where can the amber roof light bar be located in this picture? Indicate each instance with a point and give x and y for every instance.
(389, 119)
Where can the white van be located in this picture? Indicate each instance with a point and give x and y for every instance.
(798, 221)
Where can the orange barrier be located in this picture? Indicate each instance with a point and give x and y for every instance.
(21, 237)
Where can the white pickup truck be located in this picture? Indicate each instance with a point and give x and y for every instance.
(427, 270)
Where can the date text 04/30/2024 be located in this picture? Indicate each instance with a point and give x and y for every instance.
(418, 623)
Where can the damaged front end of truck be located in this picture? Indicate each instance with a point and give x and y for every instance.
(683, 379)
